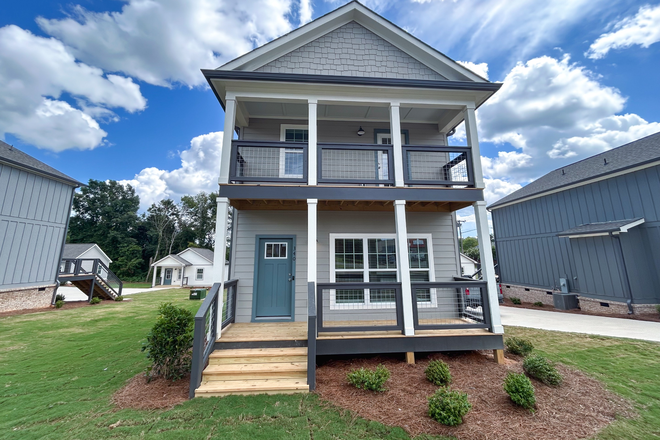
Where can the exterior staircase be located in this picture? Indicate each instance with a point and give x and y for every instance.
(255, 371)
(91, 276)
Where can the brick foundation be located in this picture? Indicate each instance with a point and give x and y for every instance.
(589, 305)
(31, 298)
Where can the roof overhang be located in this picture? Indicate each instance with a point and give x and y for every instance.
(100, 250)
(196, 253)
(171, 260)
(601, 229)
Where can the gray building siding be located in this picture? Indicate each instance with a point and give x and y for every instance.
(351, 50)
(253, 223)
(33, 216)
(530, 253)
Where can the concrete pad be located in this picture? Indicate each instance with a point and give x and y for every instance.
(72, 293)
(575, 323)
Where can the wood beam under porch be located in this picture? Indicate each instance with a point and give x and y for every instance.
(346, 205)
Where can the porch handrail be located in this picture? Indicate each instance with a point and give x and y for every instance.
(321, 327)
(236, 158)
(460, 287)
(204, 336)
(388, 148)
(465, 155)
(229, 303)
(110, 281)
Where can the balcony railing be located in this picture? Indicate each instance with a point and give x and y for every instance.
(451, 305)
(352, 164)
(425, 165)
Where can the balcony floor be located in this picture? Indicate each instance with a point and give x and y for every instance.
(347, 205)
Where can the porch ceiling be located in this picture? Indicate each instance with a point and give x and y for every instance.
(346, 205)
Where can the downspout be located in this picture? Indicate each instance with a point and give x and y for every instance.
(66, 230)
(231, 242)
(625, 274)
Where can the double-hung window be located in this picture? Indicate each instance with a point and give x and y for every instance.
(200, 274)
(358, 258)
(291, 159)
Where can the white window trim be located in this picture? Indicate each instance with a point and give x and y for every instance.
(286, 246)
(284, 151)
(382, 305)
(197, 274)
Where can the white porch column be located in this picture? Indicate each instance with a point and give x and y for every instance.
(312, 216)
(230, 117)
(481, 219)
(312, 159)
(220, 251)
(153, 280)
(183, 273)
(404, 266)
(395, 132)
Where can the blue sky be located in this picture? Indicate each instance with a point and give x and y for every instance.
(112, 89)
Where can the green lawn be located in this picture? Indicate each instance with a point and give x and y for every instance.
(130, 285)
(58, 370)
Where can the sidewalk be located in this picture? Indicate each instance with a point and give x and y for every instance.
(574, 323)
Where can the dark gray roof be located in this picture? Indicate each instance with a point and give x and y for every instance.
(618, 159)
(597, 228)
(74, 250)
(204, 253)
(13, 156)
(180, 259)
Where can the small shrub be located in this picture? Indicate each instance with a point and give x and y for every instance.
(95, 300)
(169, 343)
(657, 307)
(59, 303)
(538, 304)
(540, 368)
(119, 298)
(438, 373)
(60, 297)
(366, 379)
(515, 300)
(519, 346)
(520, 390)
(448, 407)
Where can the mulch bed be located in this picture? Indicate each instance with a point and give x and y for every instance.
(654, 317)
(579, 408)
(67, 306)
(157, 394)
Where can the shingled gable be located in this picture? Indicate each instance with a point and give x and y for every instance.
(328, 45)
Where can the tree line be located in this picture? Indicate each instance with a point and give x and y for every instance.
(106, 213)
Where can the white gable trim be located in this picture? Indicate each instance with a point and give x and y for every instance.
(196, 253)
(354, 11)
(174, 262)
(100, 250)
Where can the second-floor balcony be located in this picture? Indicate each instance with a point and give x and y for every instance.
(350, 164)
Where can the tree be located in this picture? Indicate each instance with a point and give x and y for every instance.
(163, 220)
(198, 215)
(468, 243)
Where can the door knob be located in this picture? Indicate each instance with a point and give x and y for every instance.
(291, 277)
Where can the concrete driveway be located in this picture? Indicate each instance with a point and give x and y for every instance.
(72, 293)
(575, 323)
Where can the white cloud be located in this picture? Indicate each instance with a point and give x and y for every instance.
(480, 69)
(35, 72)
(498, 188)
(200, 166)
(167, 41)
(553, 112)
(642, 29)
(306, 11)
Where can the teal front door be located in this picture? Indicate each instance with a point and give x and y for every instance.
(274, 278)
(168, 277)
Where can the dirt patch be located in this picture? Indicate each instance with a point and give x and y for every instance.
(157, 394)
(653, 317)
(67, 306)
(579, 408)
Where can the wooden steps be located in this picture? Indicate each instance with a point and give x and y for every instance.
(255, 371)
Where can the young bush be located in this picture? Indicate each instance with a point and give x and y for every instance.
(520, 390)
(438, 373)
(540, 368)
(169, 343)
(373, 380)
(538, 304)
(448, 407)
(515, 300)
(119, 298)
(59, 297)
(59, 303)
(519, 346)
(95, 300)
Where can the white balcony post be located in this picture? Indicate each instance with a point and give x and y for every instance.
(473, 143)
(395, 132)
(220, 252)
(153, 280)
(312, 216)
(228, 134)
(312, 170)
(404, 266)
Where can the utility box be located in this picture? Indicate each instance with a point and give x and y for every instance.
(565, 301)
(563, 285)
(197, 293)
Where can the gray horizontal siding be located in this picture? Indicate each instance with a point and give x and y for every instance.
(341, 131)
(249, 224)
(33, 217)
(530, 253)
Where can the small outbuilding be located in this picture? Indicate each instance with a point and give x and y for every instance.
(86, 251)
(468, 266)
(190, 267)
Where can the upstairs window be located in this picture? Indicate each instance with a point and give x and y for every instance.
(291, 159)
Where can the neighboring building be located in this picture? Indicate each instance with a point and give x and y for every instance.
(85, 251)
(340, 227)
(35, 204)
(594, 223)
(468, 266)
(190, 267)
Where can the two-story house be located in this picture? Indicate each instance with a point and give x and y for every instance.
(344, 190)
